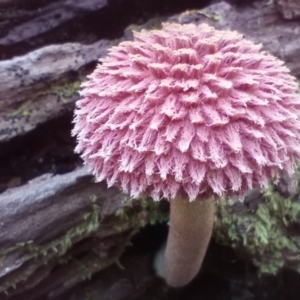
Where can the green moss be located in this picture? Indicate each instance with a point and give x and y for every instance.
(60, 246)
(64, 89)
(133, 215)
(265, 233)
(138, 213)
(142, 211)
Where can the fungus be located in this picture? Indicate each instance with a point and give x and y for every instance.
(190, 114)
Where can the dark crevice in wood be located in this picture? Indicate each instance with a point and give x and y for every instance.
(47, 149)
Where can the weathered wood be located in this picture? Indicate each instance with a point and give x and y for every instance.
(290, 9)
(41, 221)
(48, 195)
(38, 86)
(260, 23)
(43, 84)
(56, 231)
(40, 70)
(22, 20)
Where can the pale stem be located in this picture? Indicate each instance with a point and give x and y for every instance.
(190, 231)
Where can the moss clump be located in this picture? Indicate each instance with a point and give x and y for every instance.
(62, 244)
(138, 213)
(66, 91)
(265, 233)
(131, 216)
(43, 254)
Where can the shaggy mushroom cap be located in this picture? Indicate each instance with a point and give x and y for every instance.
(188, 111)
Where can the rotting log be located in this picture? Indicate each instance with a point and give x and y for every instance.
(38, 86)
(56, 231)
(53, 220)
(43, 83)
(41, 65)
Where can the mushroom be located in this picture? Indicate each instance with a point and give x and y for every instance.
(190, 114)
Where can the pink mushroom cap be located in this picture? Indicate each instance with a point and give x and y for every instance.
(188, 111)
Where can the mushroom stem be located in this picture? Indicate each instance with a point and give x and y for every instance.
(190, 231)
